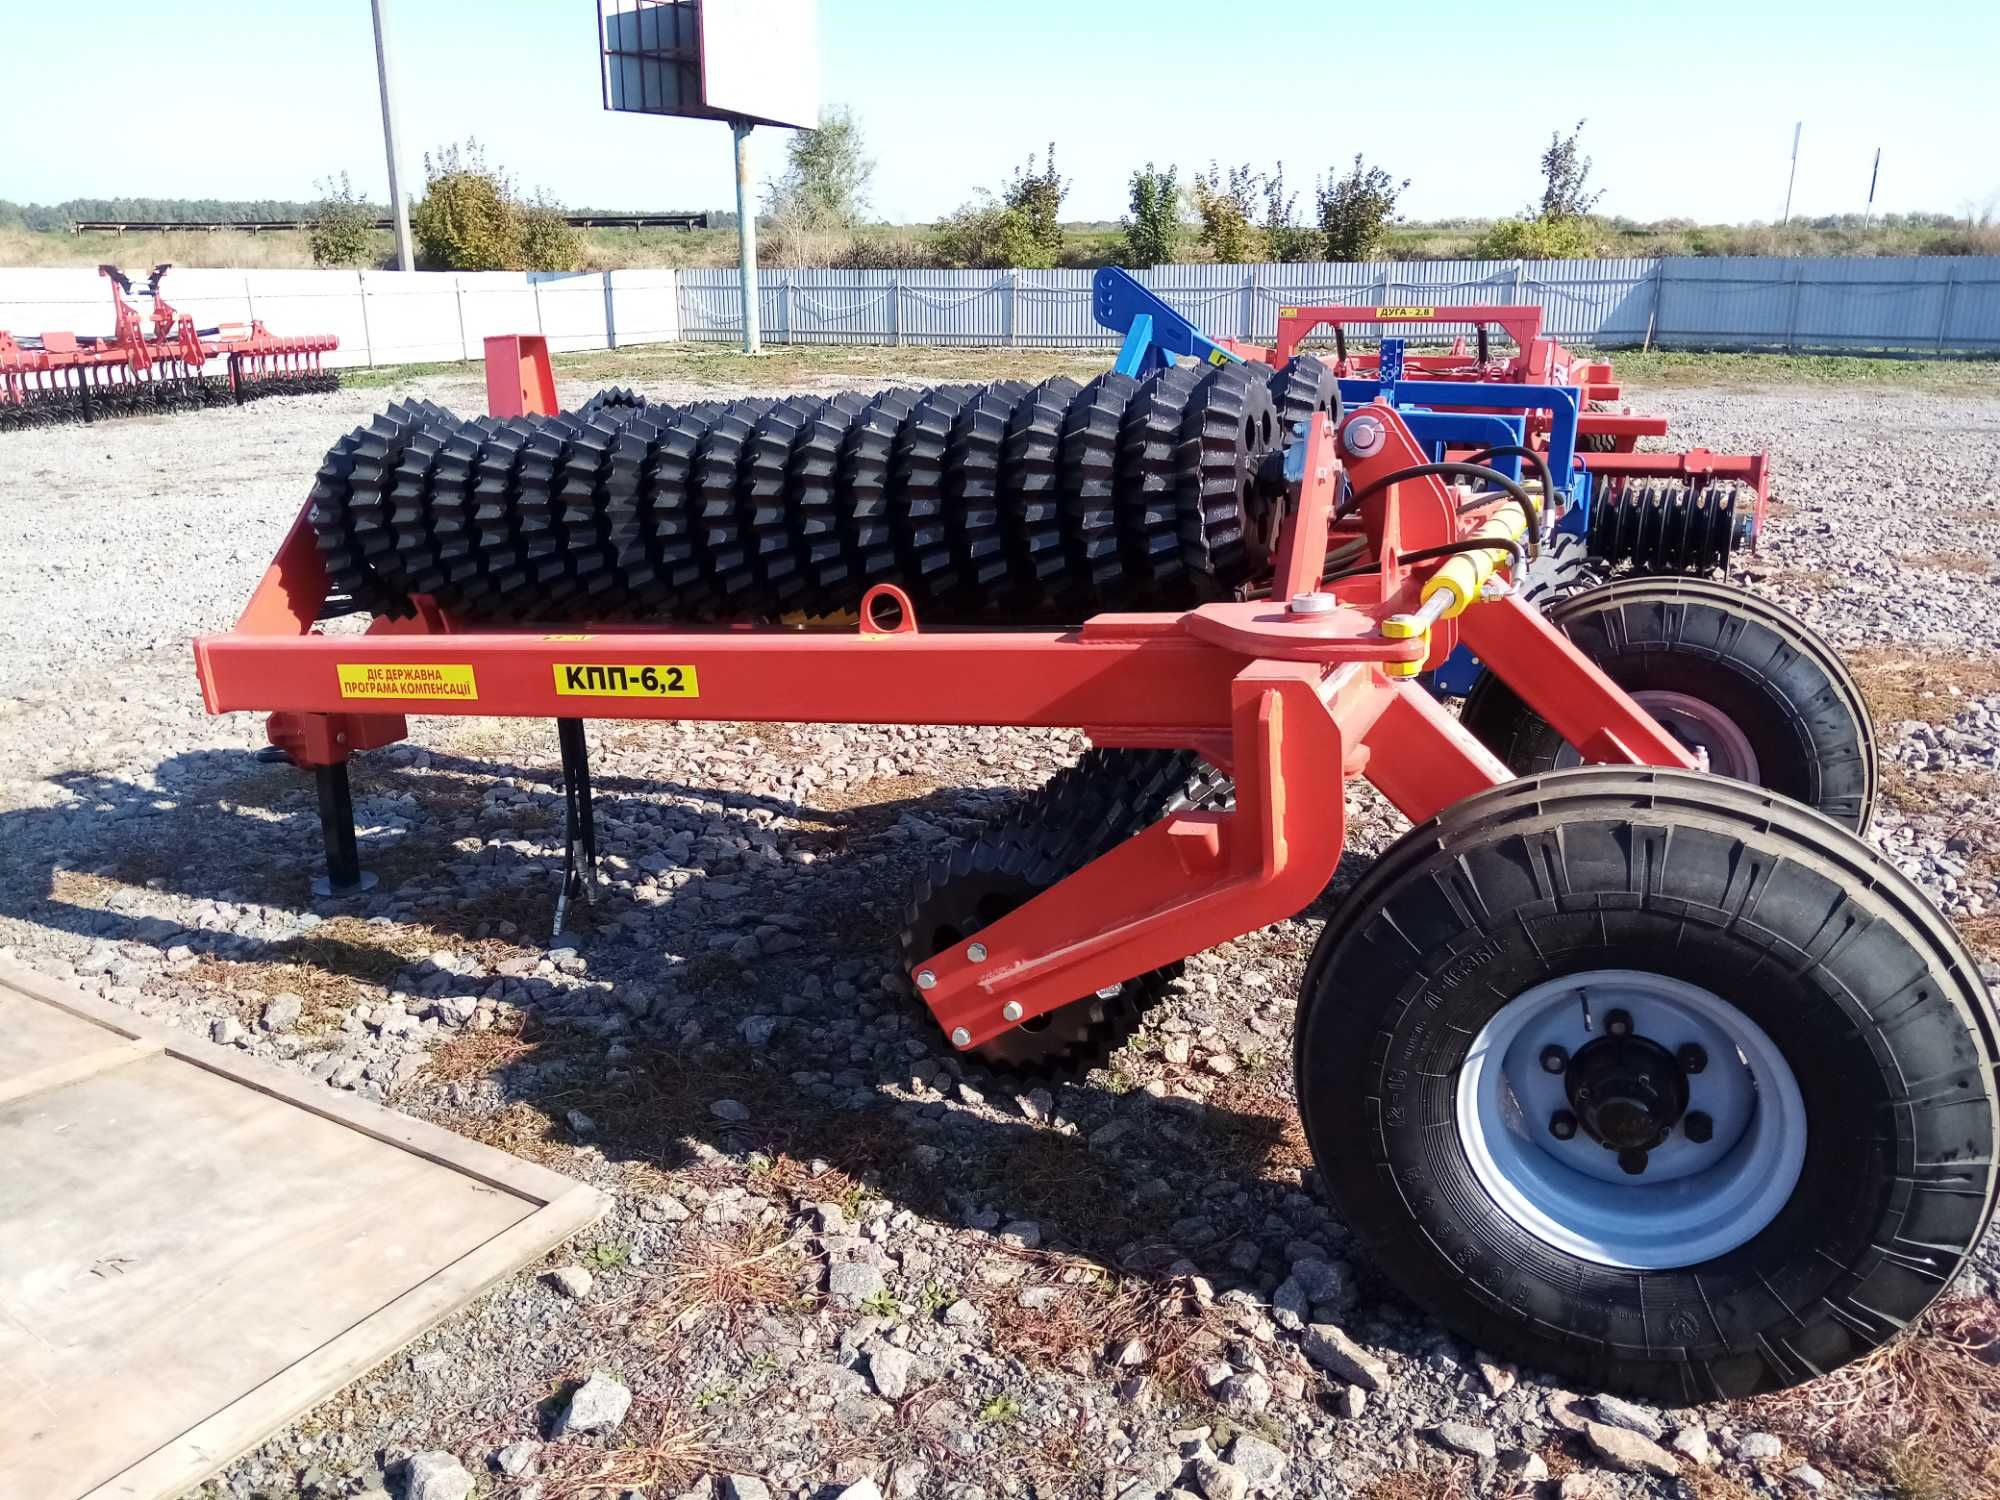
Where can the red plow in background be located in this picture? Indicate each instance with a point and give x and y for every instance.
(1608, 431)
(152, 362)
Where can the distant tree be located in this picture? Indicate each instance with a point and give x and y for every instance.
(1021, 226)
(1355, 210)
(822, 195)
(1153, 228)
(340, 230)
(1565, 175)
(1035, 197)
(1285, 239)
(1226, 205)
(471, 218)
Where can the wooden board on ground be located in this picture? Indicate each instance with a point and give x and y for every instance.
(196, 1246)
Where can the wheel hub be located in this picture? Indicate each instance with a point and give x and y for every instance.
(1628, 1092)
(1630, 1119)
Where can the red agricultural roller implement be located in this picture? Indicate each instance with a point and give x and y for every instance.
(1628, 1071)
(152, 362)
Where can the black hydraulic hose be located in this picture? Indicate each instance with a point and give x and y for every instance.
(1533, 456)
(1443, 549)
(1456, 468)
(1465, 544)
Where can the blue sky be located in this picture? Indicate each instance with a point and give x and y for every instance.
(1690, 105)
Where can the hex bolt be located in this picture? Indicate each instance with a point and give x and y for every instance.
(926, 980)
(1554, 1058)
(1632, 1160)
(960, 1037)
(1618, 1023)
(976, 953)
(1562, 1125)
(1692, 1057)
(1011, 1010)
(1698, 1127)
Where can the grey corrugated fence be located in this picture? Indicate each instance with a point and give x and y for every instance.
(1910, 304)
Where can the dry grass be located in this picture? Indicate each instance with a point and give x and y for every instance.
(661, 1450)
(1903, 684)
(1098, 1311)
(1922, 1411)
(1434, 1479)
(342, 962)
(1965, 564)
(731, 1271)
(1981, 933)
(1953, 790)
(1260, 1133)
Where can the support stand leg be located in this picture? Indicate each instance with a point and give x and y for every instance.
(579, 875)
(344, 875)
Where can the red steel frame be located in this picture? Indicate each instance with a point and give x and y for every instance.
(1291, 703)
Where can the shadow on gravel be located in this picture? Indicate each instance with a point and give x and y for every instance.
(843, 1091)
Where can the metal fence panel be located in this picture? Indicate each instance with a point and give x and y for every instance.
(1919, 304)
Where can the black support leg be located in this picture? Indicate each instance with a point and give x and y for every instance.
(344, 875)
(579, 826)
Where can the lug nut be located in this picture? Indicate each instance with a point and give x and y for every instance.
(1691, 1057)
(1554, 1058)
(1562, 1125)
(1698, 1127)
(1632, 1160)
(1618, 1023)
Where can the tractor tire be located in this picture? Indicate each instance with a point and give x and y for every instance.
(1768, 699)
(1106, 798)
(1593, 956)
(1598, 442)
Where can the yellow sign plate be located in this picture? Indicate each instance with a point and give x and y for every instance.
(606, 680)
(1406, 312)
(407, 679)
(1288, 312)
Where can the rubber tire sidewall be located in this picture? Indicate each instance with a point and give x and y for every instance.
(1717, 885)
(1781, 684)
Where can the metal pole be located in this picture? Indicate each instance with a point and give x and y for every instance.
(1794, 177)
(746, 237)
(397, 207)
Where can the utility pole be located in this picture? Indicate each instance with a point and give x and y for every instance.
(1874, 175)
(398, 209)
(1801, 125)
(746, 238)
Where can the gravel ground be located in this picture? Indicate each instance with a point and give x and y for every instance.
(839, 1264)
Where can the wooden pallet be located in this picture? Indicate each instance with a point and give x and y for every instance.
(196, 1246)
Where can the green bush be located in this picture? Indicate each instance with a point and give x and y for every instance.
(549, 242)
(340, 231)
(471, 219)
(1539, 239)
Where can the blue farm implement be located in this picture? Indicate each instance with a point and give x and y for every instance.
(1682, 513)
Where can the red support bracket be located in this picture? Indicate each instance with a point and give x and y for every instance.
(1566, 688)
(519, 380)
